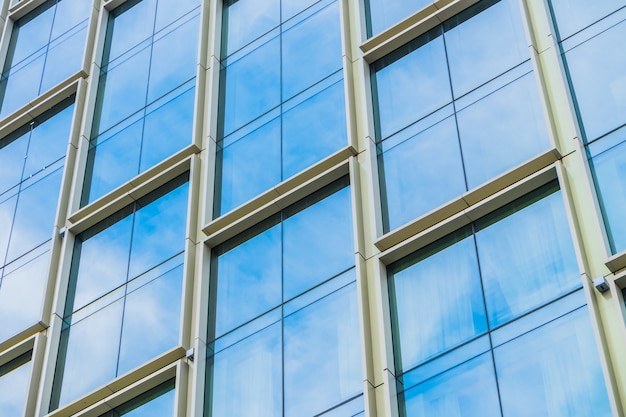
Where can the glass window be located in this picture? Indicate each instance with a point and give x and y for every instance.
(145, 102)
(158, 402)
(282, 95)
(599, 86)
(31, 169)
(508, 283)
(284, 314)
(14, 381)
(440, 109)
(382, 14)
(125, 292)
(45, 48)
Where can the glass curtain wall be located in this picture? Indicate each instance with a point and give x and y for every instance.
(491, 320)
(125, 292)
(158, 402)
(382, 14)
(284, 324)
(31, 169)
(591, 36)
(455, 108)
(14, 382)
(46, 47)
(282, 105)
(145, 103)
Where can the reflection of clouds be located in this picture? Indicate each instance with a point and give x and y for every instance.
(596, 68)
(467, 390)
(310, 54)
(159, 231)
(22, 86)
(11, 163)
(103, 262)
(502, 130)
(34, 218)
(322, 362)
(32, 36)
(69, 13)
(485, 46)
(433, 317)
(7, 210)
(249, 281)
(321, 232)
(171, 10)
(251, 165)
(13, 390)
(610, 171)
(527, 259)
(413, 87)
(292, 7)
(246, 379)
(151, 320)
(313, 130)
(21, 294)
(252, 85)
(167, 130)
(124, 89)
(131, 27)
(553, 371)
(64, 58)
(115, 161)
(91, 355)
(423, 173)
(384, 13)
(573, 15)
(163, 405)
(173, 60)
(249, 19)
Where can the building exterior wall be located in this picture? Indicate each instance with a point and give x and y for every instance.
(333, 207)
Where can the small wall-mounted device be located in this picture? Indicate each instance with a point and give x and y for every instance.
(191, 354)
(601, 284)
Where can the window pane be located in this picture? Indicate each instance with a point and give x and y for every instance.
(597, 74)
(314, 130)
(430, 318)
(484, 46)
(251, 86)
(468, 389)
(574, 15)
(22, 85)
(89, 354)
(527, 259)
(63, 58)
(35, 214)
(249, 281)
(412, 168)
(128, 26)
(69, 14)
(14, 379)
(21, 296)
(610, 172)
(245, 21)
(384, 13)
(557, 366)
(158, 402)
(12, 155)
(171, 10)
(246, 379)
(151, 320)
(310, 54)
(413, 86)
(502, 130)
(322, 354)
(317, 243)
(249, 166)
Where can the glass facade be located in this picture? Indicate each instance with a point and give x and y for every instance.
(456, 107)
(300, 208)
(284, 315)
(281, 94)
(124, 299)
(31, 169)
(46, 47)
(588, 34)
(145, 102)
(511, 292)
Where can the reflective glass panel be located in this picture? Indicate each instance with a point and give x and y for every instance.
(14, 380)
(382, 14)
(574, 15)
